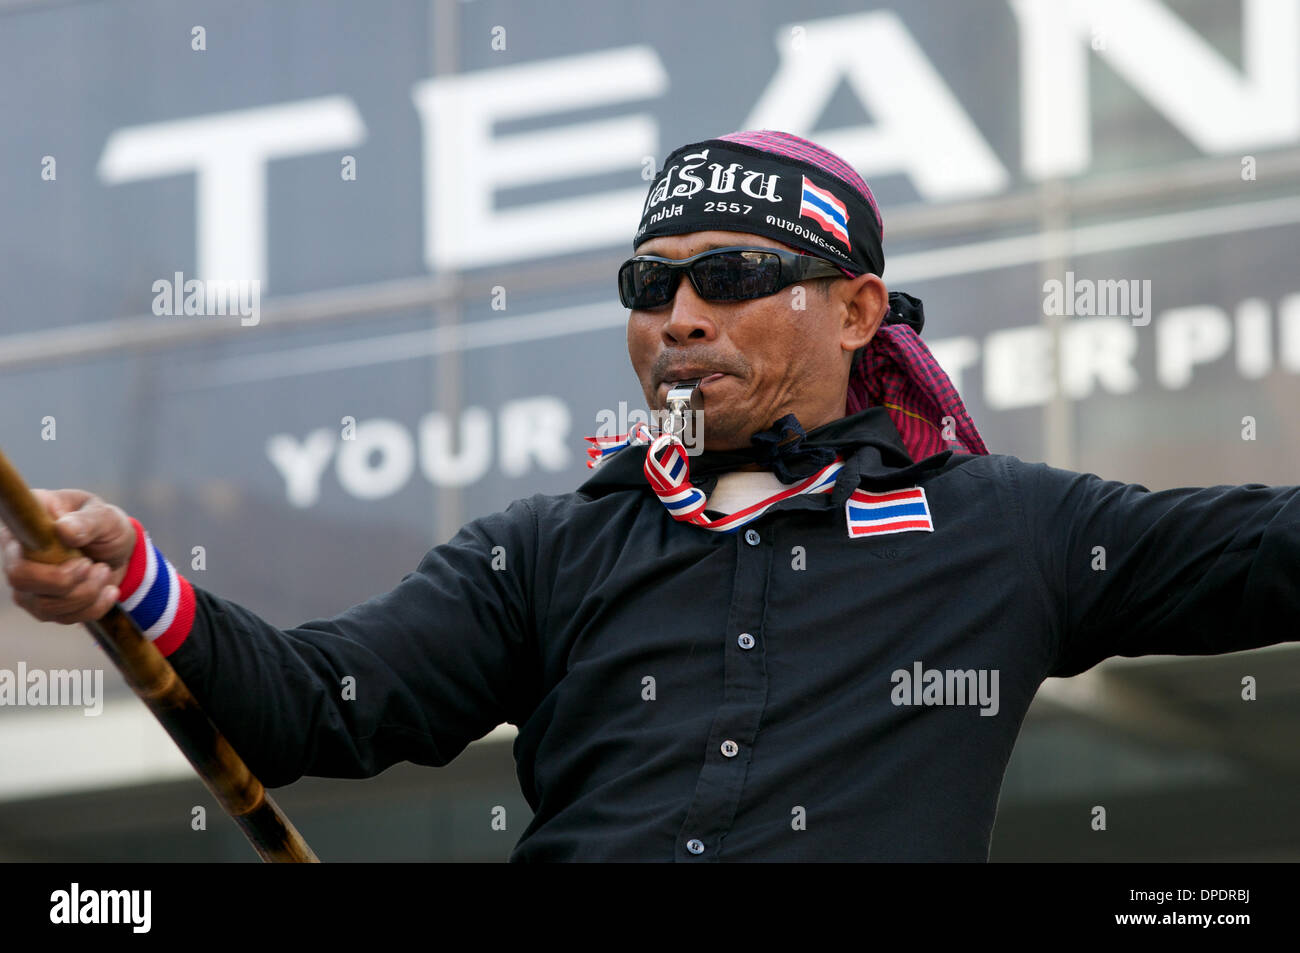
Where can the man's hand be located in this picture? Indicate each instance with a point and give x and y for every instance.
(80, 589)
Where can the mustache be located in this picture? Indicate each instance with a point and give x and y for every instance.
(726, 365)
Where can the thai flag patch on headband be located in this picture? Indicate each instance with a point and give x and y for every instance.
(826, 210)
(895, 511)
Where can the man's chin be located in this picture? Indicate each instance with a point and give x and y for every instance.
(723, 435)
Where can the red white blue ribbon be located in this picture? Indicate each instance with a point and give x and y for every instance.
(668, 472)
(602, 447)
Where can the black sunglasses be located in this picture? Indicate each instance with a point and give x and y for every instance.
(735, 273)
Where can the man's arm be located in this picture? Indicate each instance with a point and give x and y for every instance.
(416, 673)
(1190, 571)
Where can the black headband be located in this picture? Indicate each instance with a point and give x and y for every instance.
(716, 184)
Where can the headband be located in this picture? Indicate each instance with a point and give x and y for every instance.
(719, 184)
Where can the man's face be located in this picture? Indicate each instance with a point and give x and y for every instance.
(788, 353)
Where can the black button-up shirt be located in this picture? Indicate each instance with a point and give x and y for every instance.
(784, 692)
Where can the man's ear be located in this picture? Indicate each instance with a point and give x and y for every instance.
(865, 306)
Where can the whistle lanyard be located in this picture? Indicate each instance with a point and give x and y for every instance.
(668, 472)
(603, 447)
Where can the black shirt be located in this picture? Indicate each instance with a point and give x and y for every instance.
(692, 696)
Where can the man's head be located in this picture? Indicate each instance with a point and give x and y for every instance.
(788, 352)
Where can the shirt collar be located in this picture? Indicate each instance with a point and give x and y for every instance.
(868, 441)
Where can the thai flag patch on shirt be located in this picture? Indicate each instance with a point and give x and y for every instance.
(826, 210)
(894, 511)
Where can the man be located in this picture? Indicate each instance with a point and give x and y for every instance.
(814, 640)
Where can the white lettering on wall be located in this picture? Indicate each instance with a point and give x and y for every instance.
(465, 164)
(1219, 108)
(921, 129)
(228, 152)
(380, 459)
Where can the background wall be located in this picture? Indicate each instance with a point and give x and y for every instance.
(433, 198)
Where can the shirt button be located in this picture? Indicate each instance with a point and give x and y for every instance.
(730, 749)
(695, 845)
(745, 640)
(752, 537)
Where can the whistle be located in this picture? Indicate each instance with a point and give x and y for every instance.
(683, 397)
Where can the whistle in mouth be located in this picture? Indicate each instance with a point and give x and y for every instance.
(683, 397)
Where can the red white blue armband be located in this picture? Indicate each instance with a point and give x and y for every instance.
(155, 595)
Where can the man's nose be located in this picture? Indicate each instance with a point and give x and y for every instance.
(689, 316)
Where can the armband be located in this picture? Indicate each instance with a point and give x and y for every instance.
(155, 595)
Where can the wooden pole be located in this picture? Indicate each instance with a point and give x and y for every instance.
(151, 677)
